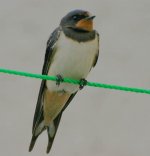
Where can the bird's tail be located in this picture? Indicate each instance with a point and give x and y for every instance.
(51, 131)
(37, 131)
(32, 143)
(39, 124)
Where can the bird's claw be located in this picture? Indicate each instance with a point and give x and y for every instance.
(82, 83)
(59, 79)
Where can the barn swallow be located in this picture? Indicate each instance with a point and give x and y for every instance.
(72, 50)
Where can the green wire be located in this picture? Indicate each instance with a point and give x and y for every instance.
(69, 80)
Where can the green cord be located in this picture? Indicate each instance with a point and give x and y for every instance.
(68, 80)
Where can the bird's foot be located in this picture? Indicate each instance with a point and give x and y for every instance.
(82, 83)
(59, 79)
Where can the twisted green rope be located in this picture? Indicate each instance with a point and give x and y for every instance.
(68, 80)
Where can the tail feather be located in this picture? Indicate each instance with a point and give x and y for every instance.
(35, 135)
(50, 141)
(33, 140)
(49, 146)
(39, 126)
(51, 131)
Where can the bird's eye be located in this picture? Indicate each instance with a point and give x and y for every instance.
(75, 17)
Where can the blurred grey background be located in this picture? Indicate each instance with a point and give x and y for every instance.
(98, 122)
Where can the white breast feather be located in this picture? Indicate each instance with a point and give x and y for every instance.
(72, 59)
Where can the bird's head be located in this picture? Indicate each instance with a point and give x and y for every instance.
(78, 20)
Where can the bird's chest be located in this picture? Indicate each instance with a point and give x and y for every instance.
(73, 59)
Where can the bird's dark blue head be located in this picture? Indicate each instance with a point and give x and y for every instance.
(79, 20)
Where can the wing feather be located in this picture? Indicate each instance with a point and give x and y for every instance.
(50, 49)
(97, 55)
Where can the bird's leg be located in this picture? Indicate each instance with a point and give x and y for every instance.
(59, 79)
(82, 83)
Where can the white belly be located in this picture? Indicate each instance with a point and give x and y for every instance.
(73, 60)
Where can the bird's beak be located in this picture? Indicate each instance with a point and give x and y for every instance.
(86, 24)
(90, 18)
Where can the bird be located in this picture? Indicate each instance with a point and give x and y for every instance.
(72, 51)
